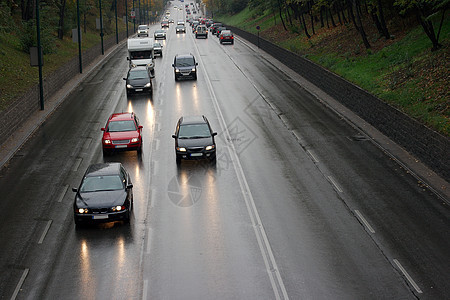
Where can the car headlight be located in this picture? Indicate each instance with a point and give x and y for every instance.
(181, 149)
(118, 208)
(193, 69)
(135, 140)
(209, 147)
(148, 85)
(177, 70)
(83, 210)
(107, 142)
(150, 65)
(129, 86)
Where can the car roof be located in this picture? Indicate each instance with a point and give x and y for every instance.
(193, 120)
(121, 116)
(103, 169)
(183, 55)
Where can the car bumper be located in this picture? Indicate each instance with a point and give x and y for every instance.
(160, 37)
(196, 155)
(102, 218)
(139, 90)
(122, 147)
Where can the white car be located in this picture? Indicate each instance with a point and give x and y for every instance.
(142, 30)
(160, 34)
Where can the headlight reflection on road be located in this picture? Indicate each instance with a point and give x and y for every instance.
(87, 280)
(150, 117)
(130, 106)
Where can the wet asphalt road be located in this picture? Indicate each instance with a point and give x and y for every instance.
(300, 204)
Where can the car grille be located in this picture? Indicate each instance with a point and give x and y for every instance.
(103, 210)
(117, 142)
(196, 149)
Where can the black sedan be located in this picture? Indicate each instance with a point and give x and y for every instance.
(139, 79)
(185, 66)
(105, 195)
(194, 139)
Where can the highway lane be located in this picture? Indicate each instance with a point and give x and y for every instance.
(276, 217)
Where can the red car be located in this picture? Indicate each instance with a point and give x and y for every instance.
(122, 132)
(226, 37)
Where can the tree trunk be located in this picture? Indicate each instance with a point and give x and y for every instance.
(27, 8)
(386, 33)
(61, 19)
(311, 17)
(331, 17)
(376, 21)
(281, 16)
(429, 30)
(360, 26)
(304, 25)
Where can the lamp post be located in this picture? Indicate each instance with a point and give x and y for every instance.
(38, 31)
(117, 32)
(101, 26)
(79, 37)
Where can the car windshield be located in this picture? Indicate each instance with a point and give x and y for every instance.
(160, 31)
(138, 74)
(194, 131)
(102, 183)
(141, 54)
(185, 62)
(118, 126)
(156, 45)
(142, 27)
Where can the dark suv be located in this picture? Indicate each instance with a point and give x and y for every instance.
(194, 139)
(185, 66)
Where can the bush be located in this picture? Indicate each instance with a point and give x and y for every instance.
(6, 22)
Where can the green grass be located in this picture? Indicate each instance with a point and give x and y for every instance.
(405, 74)
(17, 76)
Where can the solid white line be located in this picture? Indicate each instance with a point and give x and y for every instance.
(77, 164)
(364, 221)
(19, 284)
(411, 281)
(63, 193)
(312, 156)
(335, 184)
(263, 241)
(49, 223)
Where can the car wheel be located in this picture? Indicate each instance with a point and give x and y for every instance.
(178, 160)
(213, 160)
(105, 152)
(127, 218)
(176, 78)
(195, 77)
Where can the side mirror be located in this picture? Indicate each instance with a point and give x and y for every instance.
(173, 65)
(75, 190)
(174, 136)
(124, 78)
(140, 127)
(103, 129)
(196, 64)
(130, 186)
(214, 134)
(128, 58)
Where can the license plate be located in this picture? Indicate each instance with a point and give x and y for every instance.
(196, 154)
(139, 90)
(121, 146)
(100, 217)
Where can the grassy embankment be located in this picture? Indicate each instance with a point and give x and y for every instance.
(401, 71)
(17, 76)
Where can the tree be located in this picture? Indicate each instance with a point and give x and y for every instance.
(425, 11)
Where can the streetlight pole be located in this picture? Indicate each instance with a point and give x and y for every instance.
(126, 14)
(79, 37)
(134, 20)
(38, 31)
(101, 26)
(117, 33)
